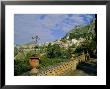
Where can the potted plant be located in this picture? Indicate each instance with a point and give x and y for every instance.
(34, 59)
(34, 63)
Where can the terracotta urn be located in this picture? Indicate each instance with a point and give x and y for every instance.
(34, 63)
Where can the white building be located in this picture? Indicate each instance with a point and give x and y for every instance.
(74, 41)
(67, 37)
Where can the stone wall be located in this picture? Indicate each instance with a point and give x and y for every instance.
(60, 69)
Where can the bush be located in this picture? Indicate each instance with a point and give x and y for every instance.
(21, 66)
(45, 62)
(53, 51)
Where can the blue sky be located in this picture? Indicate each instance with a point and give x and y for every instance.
(49, 27)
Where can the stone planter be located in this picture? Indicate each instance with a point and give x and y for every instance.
(34, 63)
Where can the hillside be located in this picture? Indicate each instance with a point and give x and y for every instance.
(81, 38)
(81, 32)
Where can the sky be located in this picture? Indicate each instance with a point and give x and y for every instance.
(49, 27)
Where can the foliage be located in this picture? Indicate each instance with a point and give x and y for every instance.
(90, 40)
(79, 32)
(21, 66)
(64, 40)
(53, 51)
(15, 51)
(45, 62)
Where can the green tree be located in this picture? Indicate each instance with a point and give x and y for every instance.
(53, 51)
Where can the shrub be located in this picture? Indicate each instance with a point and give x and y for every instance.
(53, 51)
(21, 66)
(45, 62)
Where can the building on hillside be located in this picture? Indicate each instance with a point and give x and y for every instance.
(67, 37)
(74, 41)
(46, 43)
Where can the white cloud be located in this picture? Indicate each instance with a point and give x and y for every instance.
(45, 25)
